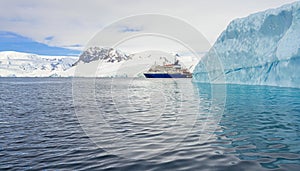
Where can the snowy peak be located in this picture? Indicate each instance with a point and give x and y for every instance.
(107, 54)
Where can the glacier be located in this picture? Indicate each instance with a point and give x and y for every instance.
(261, 49)
(19, 64)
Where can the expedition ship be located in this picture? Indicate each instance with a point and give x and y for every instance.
(174, 70)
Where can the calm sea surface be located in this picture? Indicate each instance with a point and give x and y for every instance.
(140, 124)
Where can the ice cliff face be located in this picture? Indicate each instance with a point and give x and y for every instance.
(261, 49)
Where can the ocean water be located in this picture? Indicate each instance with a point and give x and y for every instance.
(142, 124)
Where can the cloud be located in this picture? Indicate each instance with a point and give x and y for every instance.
(126, 29)
(77, 47)
(72, 22)
(49, 38)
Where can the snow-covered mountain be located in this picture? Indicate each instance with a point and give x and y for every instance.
(17, 64)
(261, 49)
(106, 54)
(95, 61)
(108, 62)
(100, 62)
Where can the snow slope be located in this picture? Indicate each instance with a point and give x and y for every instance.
(261, 49)
(95, 61)
(16, 64)
(108, 62)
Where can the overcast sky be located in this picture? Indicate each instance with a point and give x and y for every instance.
(67, 23)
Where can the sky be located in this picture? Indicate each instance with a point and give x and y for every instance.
(72, 24)
(13, 42)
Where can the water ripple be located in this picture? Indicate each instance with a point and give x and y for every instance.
(39, 129)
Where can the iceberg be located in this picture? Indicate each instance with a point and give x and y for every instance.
(261, 49)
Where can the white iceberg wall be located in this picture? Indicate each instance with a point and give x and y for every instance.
(261, 49)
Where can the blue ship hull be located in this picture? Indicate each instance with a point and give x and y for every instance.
(165, 75)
